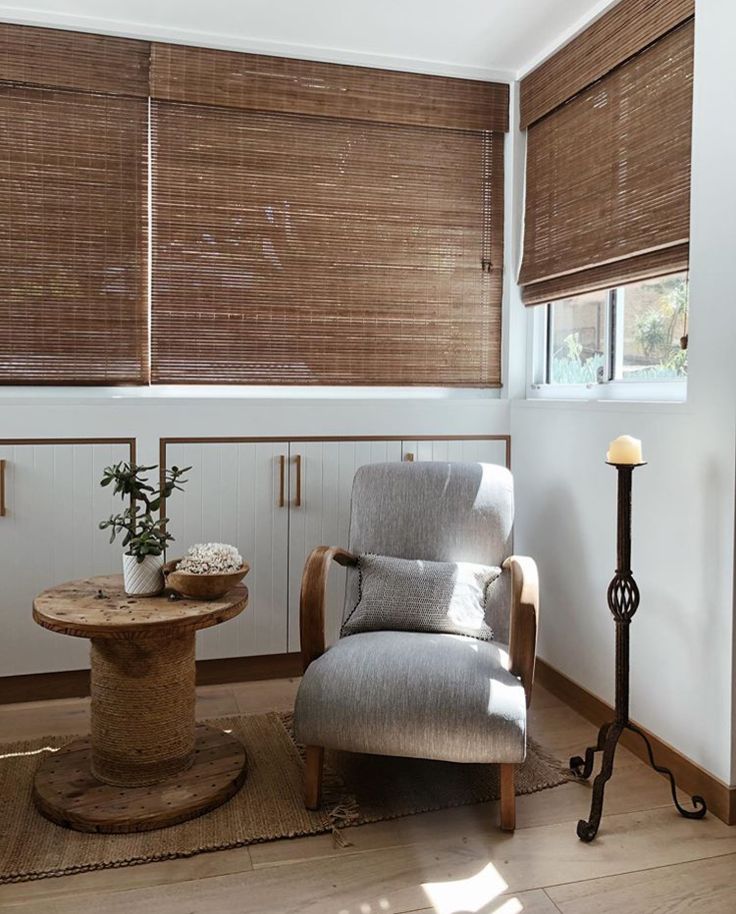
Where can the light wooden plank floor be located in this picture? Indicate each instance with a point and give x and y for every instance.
(646, 858)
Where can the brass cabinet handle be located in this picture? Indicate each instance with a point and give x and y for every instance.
(409, 458)
(298, 499)
(282, 481)
(2, 488)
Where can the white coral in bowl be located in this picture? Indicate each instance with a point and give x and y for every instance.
(211, 558)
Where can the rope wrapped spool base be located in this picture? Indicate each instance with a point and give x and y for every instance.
(146, 763)
(142, 709)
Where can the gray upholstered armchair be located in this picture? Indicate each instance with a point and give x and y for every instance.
(420, 694)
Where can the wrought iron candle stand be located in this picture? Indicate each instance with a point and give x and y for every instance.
(623, 601)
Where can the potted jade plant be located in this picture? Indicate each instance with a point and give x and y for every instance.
(145, 536)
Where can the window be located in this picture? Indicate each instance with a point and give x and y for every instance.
(298, 222)
(577, 339)
(607, 205)
(631, 334)
(652, 327)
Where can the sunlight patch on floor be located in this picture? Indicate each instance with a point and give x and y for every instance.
(512, 906)
(471, 896)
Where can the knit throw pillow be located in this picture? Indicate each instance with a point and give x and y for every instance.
(420, 596)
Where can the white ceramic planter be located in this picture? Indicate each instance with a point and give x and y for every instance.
(143, 579)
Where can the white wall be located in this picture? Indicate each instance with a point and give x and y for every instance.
(683, 511)
(148, 418)
(683, 555)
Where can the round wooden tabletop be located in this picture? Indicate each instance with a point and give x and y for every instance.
(100, 608)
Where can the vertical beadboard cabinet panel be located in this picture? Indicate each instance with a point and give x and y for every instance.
(491, 449)
(50, 534)
(232, 496)
(323, 517)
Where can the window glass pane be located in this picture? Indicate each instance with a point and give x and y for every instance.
(652, 317)
(578, 329)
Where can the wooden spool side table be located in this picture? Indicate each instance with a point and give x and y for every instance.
(147, 763)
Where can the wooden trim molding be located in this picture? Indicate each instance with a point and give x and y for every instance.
(75, 683)
(37, 442)
(17, 442)
(691, 778)
(285, 439)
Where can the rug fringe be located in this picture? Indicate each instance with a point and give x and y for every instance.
(342, 816)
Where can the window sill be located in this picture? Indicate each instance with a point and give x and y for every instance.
(86, 395)
(588, 398)
(668, 392)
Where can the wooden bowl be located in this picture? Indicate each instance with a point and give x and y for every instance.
(202, 586)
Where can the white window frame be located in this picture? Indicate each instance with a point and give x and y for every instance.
(608, 387)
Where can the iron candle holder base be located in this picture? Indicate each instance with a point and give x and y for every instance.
(623, 601)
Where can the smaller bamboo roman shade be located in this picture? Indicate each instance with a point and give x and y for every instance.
(320, 224)
(73, 160)
(608, 169)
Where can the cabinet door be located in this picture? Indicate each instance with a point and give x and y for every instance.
(322, 518)
(463, 450)
(232, 496)
(50, 534)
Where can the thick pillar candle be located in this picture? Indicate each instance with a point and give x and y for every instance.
(625, 449)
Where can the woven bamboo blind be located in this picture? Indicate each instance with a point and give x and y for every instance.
(73, 60)
(612, 39)
(608, 178)
(298, 250)
(313, 223)
(287, 86)
(72, 208)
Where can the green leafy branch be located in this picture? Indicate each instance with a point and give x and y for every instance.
(143, 534)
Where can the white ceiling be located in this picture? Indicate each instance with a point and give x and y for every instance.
(480, 38)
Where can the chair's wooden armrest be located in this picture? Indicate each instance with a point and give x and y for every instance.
(524, 616)
(312, 598)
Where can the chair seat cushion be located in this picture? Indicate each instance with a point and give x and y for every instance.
(414, 694)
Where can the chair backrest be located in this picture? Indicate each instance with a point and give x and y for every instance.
(442, 512)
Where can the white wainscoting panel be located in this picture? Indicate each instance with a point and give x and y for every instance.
(50, 534)
(232, 497)
(465, 450)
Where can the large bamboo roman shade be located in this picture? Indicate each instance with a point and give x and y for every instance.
(73, 141)
(310, 223)
(318, 224)
(608, 154)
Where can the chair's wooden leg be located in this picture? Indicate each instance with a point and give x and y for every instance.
(313, 776)
(508, 798)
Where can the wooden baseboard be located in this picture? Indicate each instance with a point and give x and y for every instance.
(44, 686)
(247, 669)
(75, 683)
(690, 777)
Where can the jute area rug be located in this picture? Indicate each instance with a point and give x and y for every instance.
(358, 789)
